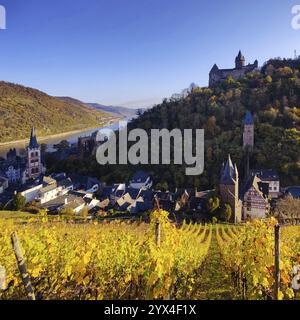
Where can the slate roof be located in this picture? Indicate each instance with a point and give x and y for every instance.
(248, 119)
(228, 173)
(107, 191)
(293, 191)
(167, 196)
(73, 201)
(266, 174)
(140, 177)
(33, 144)
(83, 182)
(253, 181)
(147, 195)
(74, 204)
(240, 56)
(66, 183)
(134, 193)
(140, 206)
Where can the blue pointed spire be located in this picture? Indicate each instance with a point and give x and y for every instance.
(33, 141)
(249, 119)
(228, 174)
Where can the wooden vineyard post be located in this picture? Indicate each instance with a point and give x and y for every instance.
(276, 264)
(22, 266)
(157, 233)
(157, 225)
(244, 288)
(2, 278)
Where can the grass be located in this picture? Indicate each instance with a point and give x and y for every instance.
(25, 216)
(15, 215)
(215, 283)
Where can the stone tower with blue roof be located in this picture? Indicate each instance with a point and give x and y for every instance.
(248, 136)
(229, 189)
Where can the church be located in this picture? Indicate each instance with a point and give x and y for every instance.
(249, 198)
(18, 170)
(229, 189)
(217, 75)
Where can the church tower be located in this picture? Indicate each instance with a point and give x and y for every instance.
(248, 136)
(34, 163)
(240, 61)
(229, 189)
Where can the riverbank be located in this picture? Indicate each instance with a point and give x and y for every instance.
(60, 135)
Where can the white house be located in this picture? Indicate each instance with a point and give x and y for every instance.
(255, 199)
(92, 203)
(75, 204)
(32, 193)
(49, 193)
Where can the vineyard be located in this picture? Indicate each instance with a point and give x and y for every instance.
(135, 260)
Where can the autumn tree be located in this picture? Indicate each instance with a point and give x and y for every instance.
(212, 204)
(226, 212)
(18, 202)
(288, 208)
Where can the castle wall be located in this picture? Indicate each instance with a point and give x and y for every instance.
(220, 75)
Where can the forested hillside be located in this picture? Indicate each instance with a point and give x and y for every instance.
(21, 108)
(272, 95)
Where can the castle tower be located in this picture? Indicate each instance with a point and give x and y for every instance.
(229, 190)
(248, 136)
(213, 75)
(240, 61)
(34, 164)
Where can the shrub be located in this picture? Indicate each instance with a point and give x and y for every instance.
(18, 202)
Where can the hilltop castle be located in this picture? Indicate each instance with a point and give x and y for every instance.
(217, 75)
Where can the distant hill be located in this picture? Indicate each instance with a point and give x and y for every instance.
(117, 111)
(22, 107)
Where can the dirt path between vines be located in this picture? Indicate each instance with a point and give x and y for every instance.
(215, 285)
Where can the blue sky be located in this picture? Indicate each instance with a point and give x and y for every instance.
(136, 52)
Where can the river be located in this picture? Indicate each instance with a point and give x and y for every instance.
(51, 141)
